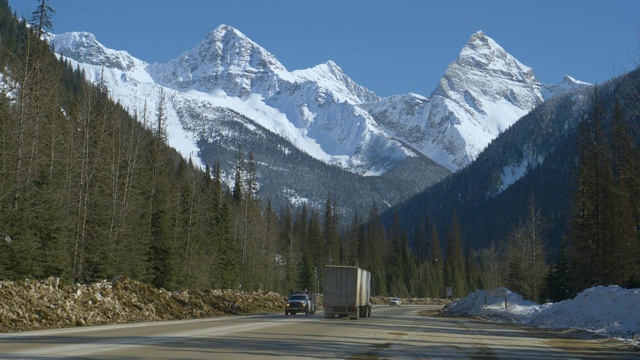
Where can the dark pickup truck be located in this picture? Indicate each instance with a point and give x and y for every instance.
(300, 303)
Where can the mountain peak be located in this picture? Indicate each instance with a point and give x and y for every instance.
(330, 67)
(568, 85)
(226, 30)
(478, 36)
(85, 48)
(225, 59)
(570, 80)
(333, 66)
(481, 53)
(481, 50)
(479, 42)
(76, 39)
(331, 77)
(483, 75)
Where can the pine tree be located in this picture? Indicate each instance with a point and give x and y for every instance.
(624, 245)
(238, 191)
(251, 181)
(455, 272)
(394, 260)
(437, 261)
(353, 241)
(410, 276)
(559, 280)
(592, 202)
(301, 230)
(307, 275)
(269, 246)
(376, 250)
(422, 279)
(537, 252)
(422, 240)
(288, 251)
(227, 256)
(41, 18)
(333, 250)
(474, 279)
(161, 252)
(316, 242)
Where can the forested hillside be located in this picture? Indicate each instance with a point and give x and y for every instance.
(570, 222)
(90, 192)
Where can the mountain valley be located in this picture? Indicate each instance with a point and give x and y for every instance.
(315, 133)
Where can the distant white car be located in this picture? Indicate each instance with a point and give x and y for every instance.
(395, 302)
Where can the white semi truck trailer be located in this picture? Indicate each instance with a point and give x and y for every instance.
(346, 292)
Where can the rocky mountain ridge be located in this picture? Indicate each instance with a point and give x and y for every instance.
(320, 111)
(483, 92)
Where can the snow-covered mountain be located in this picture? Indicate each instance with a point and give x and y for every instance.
(481, 94)
(567, 85)
(315, 109)
(320, 111)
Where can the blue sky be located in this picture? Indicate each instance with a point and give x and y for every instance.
(390, 47)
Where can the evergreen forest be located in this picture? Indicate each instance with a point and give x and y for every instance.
(89, 191)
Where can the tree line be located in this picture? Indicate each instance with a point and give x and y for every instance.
(89, 191)
(605, 238)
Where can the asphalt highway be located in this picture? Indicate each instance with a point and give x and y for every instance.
(407, 332)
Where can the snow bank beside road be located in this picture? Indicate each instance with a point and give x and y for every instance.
(609, 311)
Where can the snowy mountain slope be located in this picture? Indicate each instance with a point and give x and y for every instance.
(310, 115)
(567, 85)
(84, 48)
(482, 93)
(315, 107)
(320, 111)
(128, 82)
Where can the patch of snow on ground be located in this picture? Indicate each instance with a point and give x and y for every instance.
(610, 311)
(513, 173)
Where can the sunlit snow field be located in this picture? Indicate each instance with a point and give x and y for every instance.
(610, 311)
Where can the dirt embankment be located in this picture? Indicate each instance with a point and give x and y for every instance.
(32, 304)
(49, 303)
